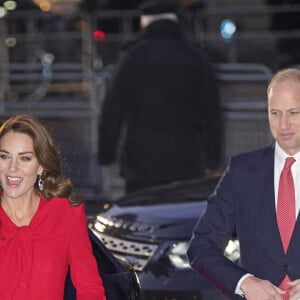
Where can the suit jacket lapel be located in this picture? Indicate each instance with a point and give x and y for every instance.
(266, 170)
(295, 239)
(296, 234)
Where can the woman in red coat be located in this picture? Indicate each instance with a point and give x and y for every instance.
(43, 231)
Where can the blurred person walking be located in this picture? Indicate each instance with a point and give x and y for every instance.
(164, 93)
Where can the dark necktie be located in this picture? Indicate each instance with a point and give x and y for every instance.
(286, 212)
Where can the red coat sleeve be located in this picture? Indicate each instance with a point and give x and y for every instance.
(83, 265)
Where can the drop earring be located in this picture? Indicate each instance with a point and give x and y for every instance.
(40, 182)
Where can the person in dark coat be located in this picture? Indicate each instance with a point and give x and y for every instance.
(165, 93)
(287, 22)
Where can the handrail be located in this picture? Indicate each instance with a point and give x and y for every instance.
(64, 72)
(250, 9)
(224, 71)
(243, 72)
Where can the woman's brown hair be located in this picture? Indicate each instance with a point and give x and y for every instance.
(47, 154)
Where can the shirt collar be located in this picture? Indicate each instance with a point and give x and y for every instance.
(280, 156)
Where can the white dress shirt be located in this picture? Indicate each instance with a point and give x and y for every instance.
(279, 161)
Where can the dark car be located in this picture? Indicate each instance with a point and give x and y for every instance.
(119, 278)
(151, 230)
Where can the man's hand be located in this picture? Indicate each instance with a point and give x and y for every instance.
(258, 289)
(295, 290)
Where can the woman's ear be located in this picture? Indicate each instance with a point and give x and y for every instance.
(40, 170)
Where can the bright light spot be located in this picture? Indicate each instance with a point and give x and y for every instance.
(3, 12)
(10, 5)
(45, 6)
(178, 257)
(227, 29)
(80, 24)
(47, 59)
(11, 42)
(99, 227)
(99, 34)
(232, 250)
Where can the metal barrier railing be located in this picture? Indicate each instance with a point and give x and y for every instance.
(68, 94)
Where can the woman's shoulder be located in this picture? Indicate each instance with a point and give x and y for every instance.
(56, 217)
(62, 208)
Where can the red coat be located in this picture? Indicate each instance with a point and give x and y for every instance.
(34, 259)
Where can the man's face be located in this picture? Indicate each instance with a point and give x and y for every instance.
(284, 115)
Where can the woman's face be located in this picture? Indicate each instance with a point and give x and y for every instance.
(19, 166)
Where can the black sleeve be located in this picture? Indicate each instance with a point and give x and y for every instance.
(113, 112)
(212, 117)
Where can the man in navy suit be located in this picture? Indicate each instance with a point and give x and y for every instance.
(245, 203)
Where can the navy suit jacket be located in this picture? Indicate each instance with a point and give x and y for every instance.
(244, 202)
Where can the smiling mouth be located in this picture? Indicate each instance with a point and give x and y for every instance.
(13, 181)
(286, 135)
